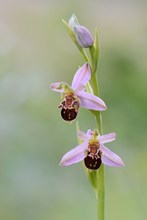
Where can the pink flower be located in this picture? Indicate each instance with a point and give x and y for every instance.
(75, 95)
(92, 151)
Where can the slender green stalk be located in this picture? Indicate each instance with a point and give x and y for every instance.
(101, 193)
(100, 172)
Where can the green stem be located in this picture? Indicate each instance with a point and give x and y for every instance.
(94, 83)
(86, 58)
(100, 172)
(101, 193)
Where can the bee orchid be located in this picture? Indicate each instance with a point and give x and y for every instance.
(75, 96)
(92, 151)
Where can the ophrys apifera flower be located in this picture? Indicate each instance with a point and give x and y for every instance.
(75, 95)
(92, 151)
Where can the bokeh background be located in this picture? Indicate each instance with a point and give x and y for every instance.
(35, 50)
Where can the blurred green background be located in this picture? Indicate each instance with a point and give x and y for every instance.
(35, 50)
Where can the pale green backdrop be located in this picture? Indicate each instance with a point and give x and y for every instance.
(36, 50)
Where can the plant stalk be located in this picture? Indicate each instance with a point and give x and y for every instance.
(100, 171)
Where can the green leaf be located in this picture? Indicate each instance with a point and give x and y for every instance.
(92, 176)
(71, 33)
(89, 88)
(96, 48)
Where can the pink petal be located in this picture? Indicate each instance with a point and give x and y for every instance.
(91, 101)
(75, 155)
(83, 136)
(109, 158)
(81, 77)
(57, 87)
(107, 138)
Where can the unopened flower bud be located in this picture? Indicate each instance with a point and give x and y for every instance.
(83, 36)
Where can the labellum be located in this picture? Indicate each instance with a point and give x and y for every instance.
(69, 107)
(93, 158)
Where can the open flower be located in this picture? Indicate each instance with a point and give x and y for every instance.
(75, 95)
(92, 151)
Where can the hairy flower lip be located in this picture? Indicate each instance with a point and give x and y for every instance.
(69, 107)
(77, 88)
(77, 154)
